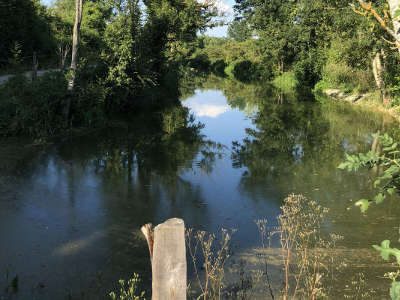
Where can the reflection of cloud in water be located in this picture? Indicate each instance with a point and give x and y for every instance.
(209, 103)
(214, 106)
(208, 110)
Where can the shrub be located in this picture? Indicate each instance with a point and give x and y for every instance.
(338, 74)
(37, 108)
(246, 71)
(218, 67)
(128, 291)
(308, 70)
(347, 68)
(33, 108)
(200, 62)
(229, 69)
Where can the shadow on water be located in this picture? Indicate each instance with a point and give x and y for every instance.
(70, 212)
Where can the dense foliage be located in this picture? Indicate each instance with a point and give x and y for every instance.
(328, 43)
(25, 27)
(131, 57)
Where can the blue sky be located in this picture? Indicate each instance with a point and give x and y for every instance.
(222, 30)
(218, 31)
(47, 2)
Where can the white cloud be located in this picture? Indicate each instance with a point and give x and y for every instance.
(222, 6)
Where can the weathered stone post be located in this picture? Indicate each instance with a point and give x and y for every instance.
(168, 258)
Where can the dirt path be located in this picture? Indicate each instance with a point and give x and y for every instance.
(4, 78)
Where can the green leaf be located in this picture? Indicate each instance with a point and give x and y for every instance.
(386, 251)
(377, 182)
(379, 198)
(363, 204)
(390, 191)
(395, 290)
(396, 13)
(393, 169)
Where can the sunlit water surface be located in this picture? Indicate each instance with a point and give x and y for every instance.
(70, 213)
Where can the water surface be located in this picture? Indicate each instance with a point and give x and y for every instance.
(70, 212)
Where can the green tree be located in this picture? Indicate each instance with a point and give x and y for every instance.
(146, 45)
(239, 31)
(25, 22)
(95, 16)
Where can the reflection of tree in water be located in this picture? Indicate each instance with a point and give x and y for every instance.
(141, 162)
(296, 146)
(121, 179)
(243, 96)
(285, 135)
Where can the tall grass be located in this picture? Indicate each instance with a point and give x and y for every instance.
(340, 75)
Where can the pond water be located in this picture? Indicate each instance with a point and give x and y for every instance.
(70, 212)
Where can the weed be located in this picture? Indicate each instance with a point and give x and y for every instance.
(265, 235)
(128, 290)
(307, 263)
(358, 288)
(214, 259)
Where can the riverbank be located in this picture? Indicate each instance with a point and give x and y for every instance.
(370, 100)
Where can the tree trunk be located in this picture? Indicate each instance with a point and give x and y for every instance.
(75, 42)
(74, 59)
(377, 69)
(63, 54)
(394, 6)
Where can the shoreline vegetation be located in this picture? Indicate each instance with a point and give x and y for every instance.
(134, 58)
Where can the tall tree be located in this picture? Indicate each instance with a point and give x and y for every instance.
(239, 31)
(74, 57)
(385, 18)
(75, 44)
(25, 24)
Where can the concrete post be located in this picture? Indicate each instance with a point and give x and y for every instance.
(168, 256)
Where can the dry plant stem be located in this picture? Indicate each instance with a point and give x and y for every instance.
(192, 253)
(262, 228)
(298, 277)
(214, 261)
(287, 242)
(299, 232)
(148, 232)
(268, 280)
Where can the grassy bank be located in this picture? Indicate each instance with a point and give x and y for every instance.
(372, 101)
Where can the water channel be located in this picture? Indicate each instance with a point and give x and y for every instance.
(70, 212)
